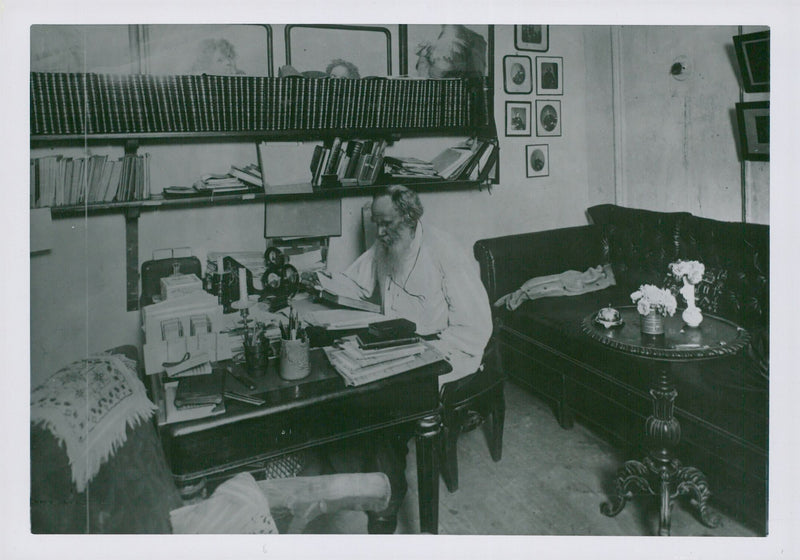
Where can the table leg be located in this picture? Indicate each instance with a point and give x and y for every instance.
(427, 440)
(660, 472)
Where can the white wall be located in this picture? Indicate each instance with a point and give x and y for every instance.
(679, 139)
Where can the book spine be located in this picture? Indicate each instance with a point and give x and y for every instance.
(37, 108)
(50, 104)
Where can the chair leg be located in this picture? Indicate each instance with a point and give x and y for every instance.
(449, 458)
(498, 421)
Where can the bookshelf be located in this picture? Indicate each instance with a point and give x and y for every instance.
(71, 109)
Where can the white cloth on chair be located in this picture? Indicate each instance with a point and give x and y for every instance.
(237, 507)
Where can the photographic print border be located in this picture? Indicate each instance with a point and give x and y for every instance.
(559, 62)
(741, 44)
(746, 114)
(508, 60)
(529, 169)
(540, 129)
(518, 105)
(521, 45)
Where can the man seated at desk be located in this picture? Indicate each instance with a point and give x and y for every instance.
(421, 274)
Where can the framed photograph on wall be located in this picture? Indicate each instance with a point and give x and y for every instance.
(517, 74)
(537, 160)
(549, 75)
(532, 37)
(446, 51)
(518, 118)
(752, 52)
(344, 51)
(753, 119)
(548, 117)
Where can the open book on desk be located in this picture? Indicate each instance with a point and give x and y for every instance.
(338, 291)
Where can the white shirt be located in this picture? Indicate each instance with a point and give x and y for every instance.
(437, 286)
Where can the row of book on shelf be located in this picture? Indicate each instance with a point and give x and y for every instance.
(56, 180)
(75, 103)
(347, 163)
(65, 181)
(364, 162)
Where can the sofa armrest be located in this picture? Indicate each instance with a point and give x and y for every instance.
(509, 261)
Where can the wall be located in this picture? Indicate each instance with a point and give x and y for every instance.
(679, 138)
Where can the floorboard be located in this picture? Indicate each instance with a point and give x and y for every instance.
(550, 481)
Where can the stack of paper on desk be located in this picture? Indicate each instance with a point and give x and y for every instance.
(358, 366)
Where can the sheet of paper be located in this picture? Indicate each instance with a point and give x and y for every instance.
(340, 319)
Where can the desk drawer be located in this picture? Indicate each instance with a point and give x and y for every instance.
(261, 433)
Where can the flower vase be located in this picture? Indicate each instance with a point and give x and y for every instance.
(652, 323)
(692, 315)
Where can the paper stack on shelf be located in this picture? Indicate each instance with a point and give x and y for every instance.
(358, 366)
(220, 183)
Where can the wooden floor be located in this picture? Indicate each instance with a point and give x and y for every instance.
(550, 482)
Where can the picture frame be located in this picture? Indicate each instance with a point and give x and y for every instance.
(532, 37)
(156, 49)
(537, 160)
(549, 75)
(752, 52)
(518, 118)
(548, 117)
(363, 50)
(517, 76)
(419, 42)
(753, 120)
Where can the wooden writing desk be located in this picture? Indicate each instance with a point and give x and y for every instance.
(301, 414)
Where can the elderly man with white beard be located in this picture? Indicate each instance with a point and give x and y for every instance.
(422, 274)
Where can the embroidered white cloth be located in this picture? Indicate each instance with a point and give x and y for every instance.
(87, 406)
(567, 283)
(237, 506)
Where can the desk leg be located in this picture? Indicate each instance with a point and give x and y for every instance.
(660, 472)
(427, 440)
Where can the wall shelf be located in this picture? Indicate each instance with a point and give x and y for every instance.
(246, 198)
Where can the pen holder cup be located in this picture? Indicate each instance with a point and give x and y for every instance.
(294, 360)
(256, 355)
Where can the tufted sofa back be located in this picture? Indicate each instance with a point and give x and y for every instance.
(640, 244)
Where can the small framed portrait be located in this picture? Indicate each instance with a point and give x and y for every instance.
(548, 117)
(532, 37)
(549, 75)
(537, 160)
(753, 119)
(517, 74)
(518, 118)
(752, 52)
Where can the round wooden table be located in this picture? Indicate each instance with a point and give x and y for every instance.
(660, 473)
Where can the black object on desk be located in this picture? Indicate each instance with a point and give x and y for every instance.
(660, 473)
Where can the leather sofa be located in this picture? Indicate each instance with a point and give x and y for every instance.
(722, 404)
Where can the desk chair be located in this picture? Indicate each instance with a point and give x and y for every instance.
(466, 404)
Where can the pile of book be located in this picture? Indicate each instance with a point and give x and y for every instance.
(384, 349)
(249, 174)
(67, 103)
(359, 365)
(469, 160)
(213, 183)
(63, 181)
(347, 163)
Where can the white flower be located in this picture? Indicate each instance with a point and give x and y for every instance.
(691, 270)
(650, 298)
